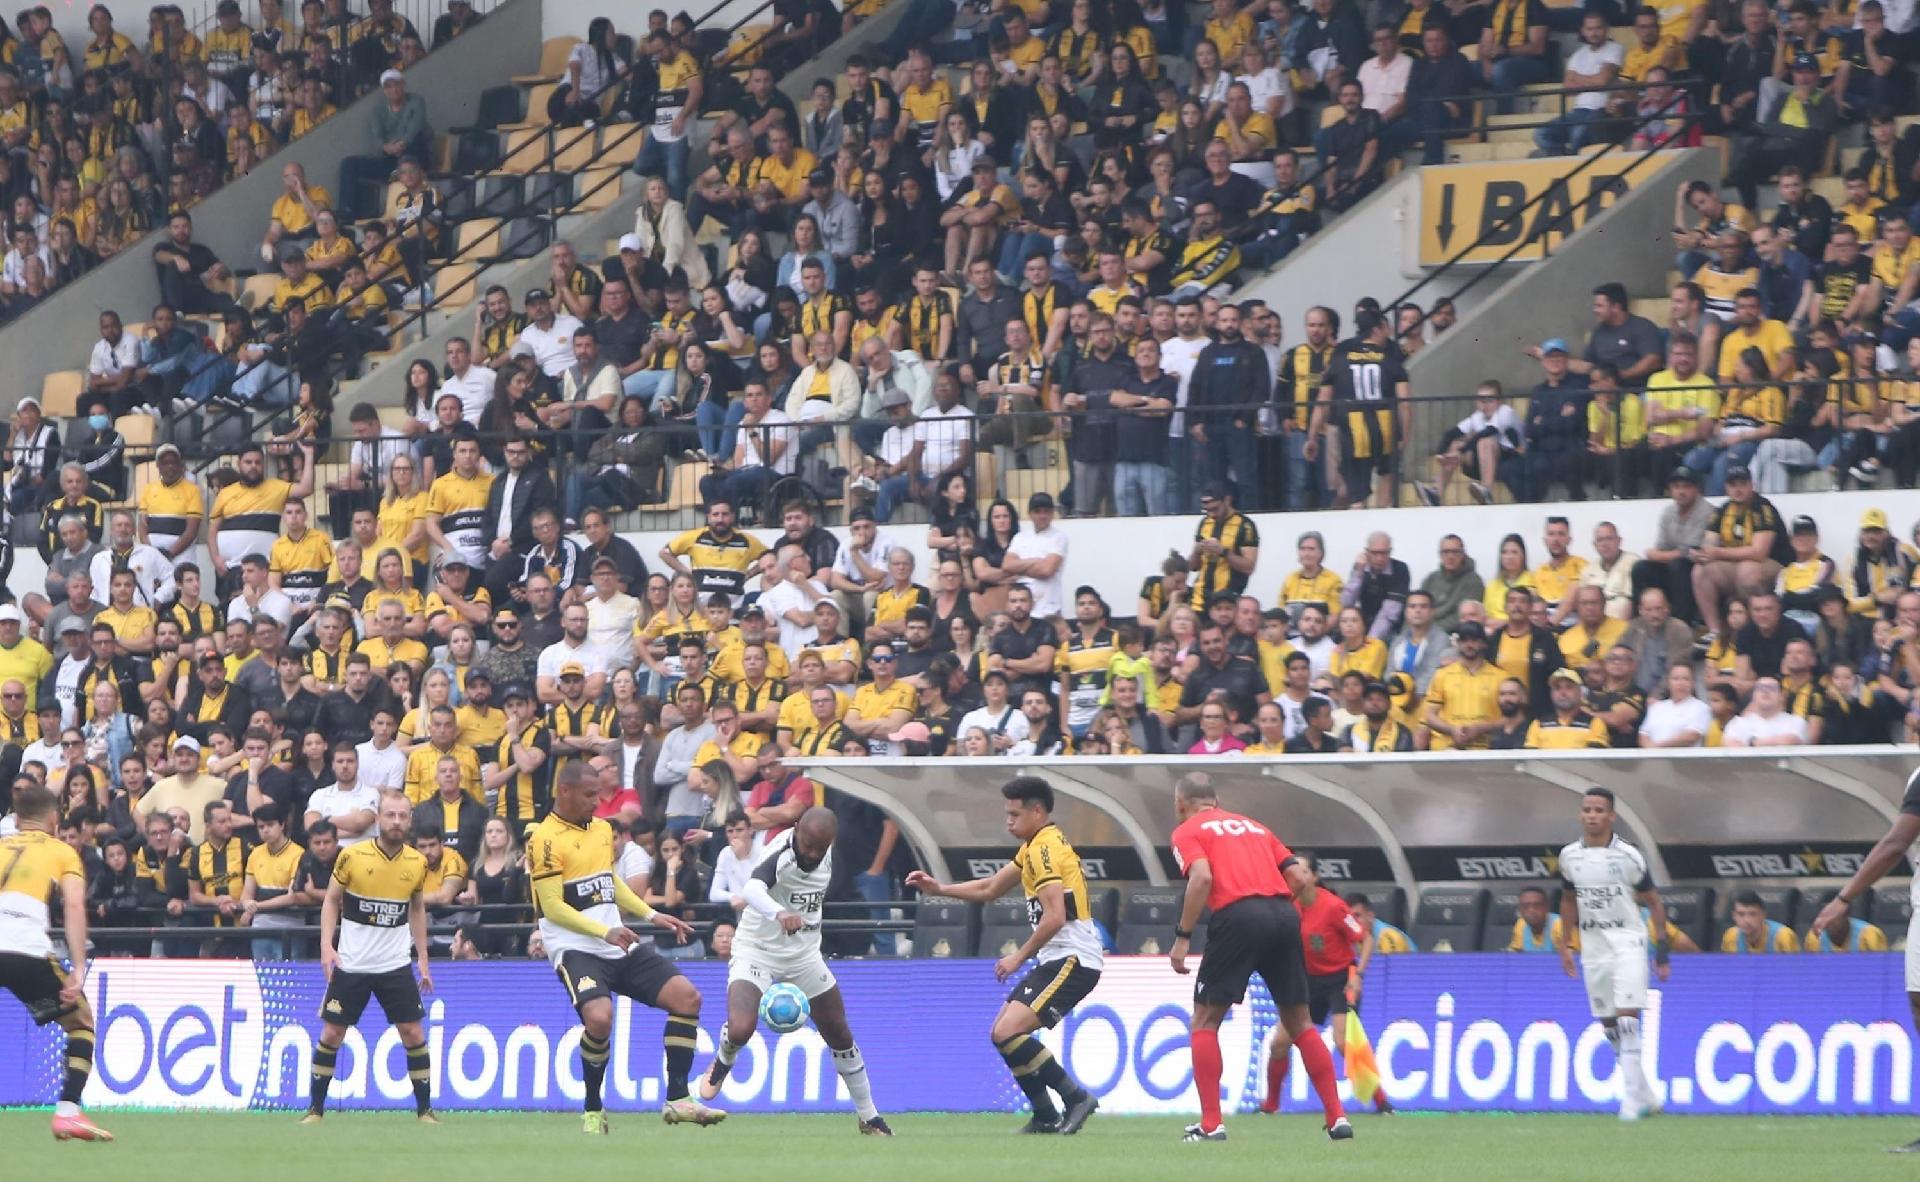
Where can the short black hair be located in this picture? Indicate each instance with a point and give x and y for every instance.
(1604, 793)
(1029, 790)
(1749, 898)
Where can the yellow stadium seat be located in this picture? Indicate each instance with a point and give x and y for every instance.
(394, 419)
(684, 490)
(553, 61)
(599, 188)
(574, 150)
(537, 103)
(137, 430)
(479, 239)
(60, 393)
(620, 144)
(453, 284)
(258, 290)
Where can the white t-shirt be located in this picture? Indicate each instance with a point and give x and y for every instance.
(111, 360)
(382, 769)
(1749, 729)
(987, 719)
(1049, 595)
(942, 435)
(1319, 653)
(1178, 357)
(1384, 85)
(591, 659)
(610, 623)
(783, 598)
(1588, 60)
(272, 603)
(730, 874)
(874, 556)
(897, 443)
(1267, 84)
(331, 802)
(474, 389)
(552, 347)
(767, 430)
(1668, 719)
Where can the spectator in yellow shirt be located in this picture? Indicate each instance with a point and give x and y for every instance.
(1753, 932)
(294, 213)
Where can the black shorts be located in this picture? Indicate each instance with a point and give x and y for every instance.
(1258, 934)
(1054, 988)
(641, 975)
(347, 995)
(37, 982)
(1358, 474)
(1327, 995)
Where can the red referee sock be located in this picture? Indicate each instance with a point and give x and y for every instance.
(1319, 1064)
(1206, 1075)
(1277, 1063)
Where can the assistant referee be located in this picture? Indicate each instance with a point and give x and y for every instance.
(1239, 869)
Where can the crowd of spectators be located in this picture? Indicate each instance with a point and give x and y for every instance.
(108, 141)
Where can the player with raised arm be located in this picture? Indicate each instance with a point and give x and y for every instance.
(779, 940)
(579, 900)
(1064, 942)
(1902, 840)
(1248, 877)
(374, 902)
(34, 865)
(1606, 883)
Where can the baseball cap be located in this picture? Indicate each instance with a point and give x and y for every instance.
(1685, 475)
(753, 609)
(516, 690)
(861, 514)
(74, 624)
(187, 741)
(1874, 519)
(1470, 630)
(894, 397)
(1564, 674)
(913, 732)
(629, 242)
(1040, 500)
(454, 559)
(1807, 61)
(1553, 345)
(538, 293)
(1739, 472)
(1378, 687)
(573, 669)
(387, 76)
(506, 615)
(166, 449)
(820, 176)
(479, 675)
(1805, 525)
(11, 614)
(29, 400)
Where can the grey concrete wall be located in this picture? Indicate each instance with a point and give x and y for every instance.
(589, 232)
(231, 221)
(1630, 242)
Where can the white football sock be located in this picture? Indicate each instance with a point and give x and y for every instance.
(852, 1067)
(1633, 1077)
(728, 1051)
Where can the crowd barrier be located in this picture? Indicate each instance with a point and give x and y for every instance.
(1735, 1035)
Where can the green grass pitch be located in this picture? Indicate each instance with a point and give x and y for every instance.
(523, 1147)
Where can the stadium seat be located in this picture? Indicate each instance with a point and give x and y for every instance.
(1690, 908)
(453, 284)
(257, 290)
(553, 61)
(1890, 908)
(1389, 901)
(479, 239)
(1503, 907)
(60, 393)
(546, 192)
(1147, 920)
(1106, 909)
(1449, 919)
(524, 237)
(944, 927)
(497, 195)
(1003, 926)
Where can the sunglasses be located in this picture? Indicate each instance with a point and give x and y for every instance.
(879, 659)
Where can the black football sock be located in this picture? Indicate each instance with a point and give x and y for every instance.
(1049, 1071)
(593, 1068)
(420, 1071)
(324, 1058)
(79, 1064)
(1020, 1052)
(682, 1035)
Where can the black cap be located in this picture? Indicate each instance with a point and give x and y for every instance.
(1378, 687)
(1216, 490)
(1739, 472)
(820, 176)
(537, 293)
(1470, 630)
(517, 690)
(1805, 525)
(861, 514)
(1227, 597)
(1686, 475)
(474, 675)
(1807, 61)
(1040, 500)
(754, 609)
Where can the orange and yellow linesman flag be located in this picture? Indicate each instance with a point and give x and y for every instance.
(1362, 1069)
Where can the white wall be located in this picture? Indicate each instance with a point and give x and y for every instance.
(570, 18)
(1115, 554)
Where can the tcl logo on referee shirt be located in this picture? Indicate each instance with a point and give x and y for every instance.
(1232, 827)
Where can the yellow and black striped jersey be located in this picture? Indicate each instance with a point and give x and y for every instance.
(1082, 663)
(1299, 380)
(499, 335)
(168, 508)
(327, 668)
(1206, 263)
(920, 319)
(302, 565)
(573, 722)
(528, 796)
(197, 620)
(1366, 378)
(1037, 309)
(249, 516)
(1047, 859)
(461, 503)
(818, 315)
(1236, 534)
(718, 564)
(273, 872)
(1576, 732)
(379, 890)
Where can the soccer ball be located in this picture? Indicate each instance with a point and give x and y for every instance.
(784, 1008)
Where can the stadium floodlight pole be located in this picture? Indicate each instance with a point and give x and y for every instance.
(1901, 840)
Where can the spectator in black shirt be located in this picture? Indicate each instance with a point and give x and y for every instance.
(1876, 75)
(1234, 196)
(1317, 739)
(1330, 44)
(1760, 645)
(1378, 586)
(1142, 481)
(1443, 74)
(185, 267)
(1511, 733)
(1631, 344)
(918, 655)
(1349, 151)
(1024, 648)
(1219, 670)
(1804, 216)
(346, 716)
(759, 108)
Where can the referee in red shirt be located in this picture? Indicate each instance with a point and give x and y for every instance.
(1237, 868)
(1336, 943)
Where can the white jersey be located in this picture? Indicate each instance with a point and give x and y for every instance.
(1607, 877)
(1911, 804)
(792, 888)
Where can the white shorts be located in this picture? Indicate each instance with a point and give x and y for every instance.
(1913, 953)
(761, 971)
(1616, 977)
